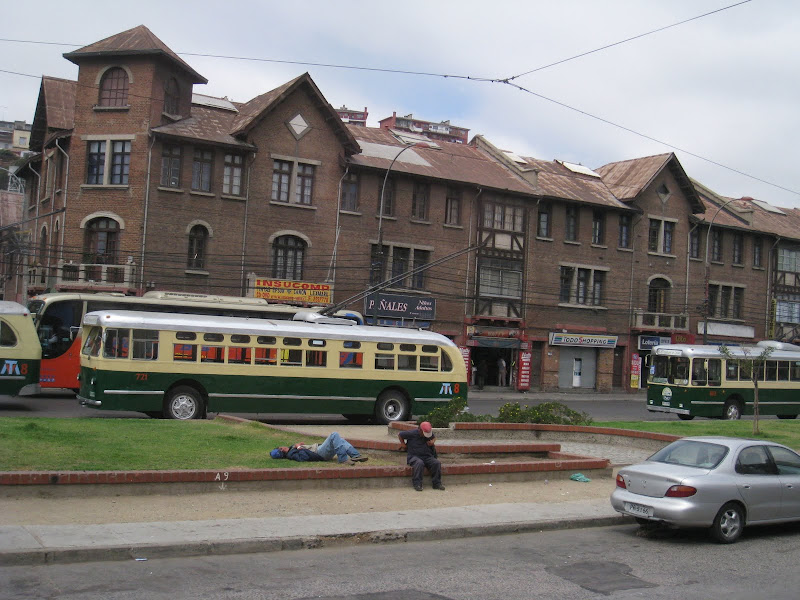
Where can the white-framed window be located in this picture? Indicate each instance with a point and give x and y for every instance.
(232, 175)
(661, 236)
(293, 180)
(582, 285)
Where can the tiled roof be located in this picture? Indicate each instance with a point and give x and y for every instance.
(59, 95)
(250, 111)
(139, 40)
(206, 124)
(452, 162)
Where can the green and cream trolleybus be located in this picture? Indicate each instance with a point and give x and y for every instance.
(699, 381)
(183, 366)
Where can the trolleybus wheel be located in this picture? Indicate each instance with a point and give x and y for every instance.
(685, 417)
(732, 410)
(183, 403)
(391, 406)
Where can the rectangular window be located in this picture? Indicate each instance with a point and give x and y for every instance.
(452, 206)
(305, 184)
(171, 166)
(419, 201)
(212, 354)
(96, 163)
(402, 260)
(653, 235)
(598, 228)
(500, 277)
(145, 344)
(571, 223)
(757, 261)
(239, 355)
(669, 229)
(584, 286)
(421, 258)
(694, 243)
(429, 363)
(384, 362)
(316, 358)
(401, 263)
(281, 171)
(116, 343)
(202, 166)
(582, 289)
(567, 273)
(351, 360)
(184, 352)
(232, 175)
(503, 217)
(716, 245)
(624, 231)
(120, 162)
(406, 362)
(388, 198)
(726, 301)
(598, 288)
(266, 356)
(291, 357)
(738, 242)
(350, 192)
(543, 218)
(738, 295)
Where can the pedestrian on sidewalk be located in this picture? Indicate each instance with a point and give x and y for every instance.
(334, 445)
(421, 448)
(482, 370)
(501, 372)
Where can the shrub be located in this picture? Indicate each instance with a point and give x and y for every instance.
(551, 413)
(442, 416)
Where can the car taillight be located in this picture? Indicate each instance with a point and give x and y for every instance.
(680, 491)
(621, 482)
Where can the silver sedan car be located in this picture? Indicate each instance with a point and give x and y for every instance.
(717, 482)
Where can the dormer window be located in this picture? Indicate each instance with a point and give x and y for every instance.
(171, 97)
(114, 88)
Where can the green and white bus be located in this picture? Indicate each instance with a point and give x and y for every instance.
(20, 352)
(183, 366)
(698, 381)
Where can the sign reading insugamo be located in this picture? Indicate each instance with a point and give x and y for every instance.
(283, 290)
(583, 339)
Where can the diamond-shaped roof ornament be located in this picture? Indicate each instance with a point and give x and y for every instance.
(298, 126)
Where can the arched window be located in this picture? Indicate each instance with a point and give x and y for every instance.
(658, 295)
(114, 88)
(101, 242)
(198, 237)
(171, 96)
(288, 252)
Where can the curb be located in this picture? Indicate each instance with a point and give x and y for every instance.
(277, 544)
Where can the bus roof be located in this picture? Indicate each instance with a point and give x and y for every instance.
(13, 308)
(780, 351)
(251, 326)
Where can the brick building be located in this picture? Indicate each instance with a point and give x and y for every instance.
(568, 274)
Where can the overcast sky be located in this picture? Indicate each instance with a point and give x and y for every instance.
(723, 87)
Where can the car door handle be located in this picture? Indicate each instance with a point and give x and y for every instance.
(746, 486)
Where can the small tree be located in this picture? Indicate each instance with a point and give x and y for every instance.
(752, 365)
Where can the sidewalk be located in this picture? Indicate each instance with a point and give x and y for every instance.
(27, 545)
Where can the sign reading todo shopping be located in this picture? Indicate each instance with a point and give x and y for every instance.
(583, 339)
(283, 290)
(400, 306)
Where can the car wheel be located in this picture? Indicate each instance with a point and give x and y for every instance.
(183, 403)
(732, 410)
(685, 417)
(391, 406)
(787, 416)
(728, 524)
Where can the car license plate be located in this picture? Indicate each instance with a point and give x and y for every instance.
(639, 509)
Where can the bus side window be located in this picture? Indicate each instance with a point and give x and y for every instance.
(239, 355)
(429, 363)
(212, 354)
(447, 364)
(184, 352)
(794, 370)
(783, 371)
(7, 337)
(699, 372)
(351, 360)
(145, 344)
(715, 371)
(384, 361)
(266, 356)
(116, 343)
(291, 358)
(316, 358)
(731, 370)
(771, 370)
(407, 362)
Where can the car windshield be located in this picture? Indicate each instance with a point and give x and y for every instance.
(691, 453)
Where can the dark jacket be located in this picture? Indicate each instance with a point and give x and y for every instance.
(417, 444)
(303, 455)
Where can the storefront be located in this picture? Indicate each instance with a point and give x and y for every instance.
(499, 353)
(578, 357)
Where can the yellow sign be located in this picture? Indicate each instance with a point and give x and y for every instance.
(283, 290)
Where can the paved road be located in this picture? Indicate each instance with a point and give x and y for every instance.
(601, 407)
(607, 562)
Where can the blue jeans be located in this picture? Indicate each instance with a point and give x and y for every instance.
(336, 444)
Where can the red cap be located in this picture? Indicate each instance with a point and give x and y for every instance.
(426, 429)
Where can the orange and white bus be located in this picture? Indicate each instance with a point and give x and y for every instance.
(58, 318)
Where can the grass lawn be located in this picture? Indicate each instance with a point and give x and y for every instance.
(33, 444)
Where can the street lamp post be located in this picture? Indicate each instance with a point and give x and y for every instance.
(706, 307)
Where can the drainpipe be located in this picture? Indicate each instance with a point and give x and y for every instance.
(332, 268)
(243, 281)
(64, 204)
(146, 209)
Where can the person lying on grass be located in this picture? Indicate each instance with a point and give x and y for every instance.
(334, 445)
